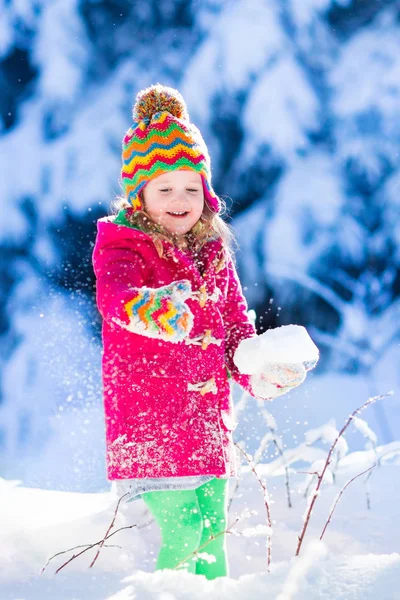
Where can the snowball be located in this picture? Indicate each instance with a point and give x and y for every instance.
(285, 344)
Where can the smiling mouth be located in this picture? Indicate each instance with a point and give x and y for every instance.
(178, 214)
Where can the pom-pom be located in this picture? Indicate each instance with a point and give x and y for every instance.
(159, 98)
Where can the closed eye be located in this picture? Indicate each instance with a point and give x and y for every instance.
(191, 190)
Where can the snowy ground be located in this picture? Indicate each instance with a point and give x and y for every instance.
(359, 558)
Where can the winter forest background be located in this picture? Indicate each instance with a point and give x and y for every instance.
(298, 101)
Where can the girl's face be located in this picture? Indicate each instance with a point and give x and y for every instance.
(175, 200)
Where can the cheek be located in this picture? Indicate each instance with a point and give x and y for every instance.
(154, 206)
(199, 205)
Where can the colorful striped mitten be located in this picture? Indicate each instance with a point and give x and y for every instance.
(160, 312)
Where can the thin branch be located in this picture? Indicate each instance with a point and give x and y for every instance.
(108, 530)
(378, 464)
(260, 452)
(277, 445)
(327, 463)
(211, 538)
(86, 548)
(340, 495)
(287, 480)
(265, 495)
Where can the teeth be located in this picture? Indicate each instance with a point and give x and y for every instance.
(177, 213)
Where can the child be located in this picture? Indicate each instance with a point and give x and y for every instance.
(174, 315)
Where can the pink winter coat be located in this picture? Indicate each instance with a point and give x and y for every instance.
(168, 405)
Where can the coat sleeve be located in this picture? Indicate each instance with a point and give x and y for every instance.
(123, 298)
(238, 325)
(120, 271)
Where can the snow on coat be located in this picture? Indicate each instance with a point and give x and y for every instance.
(169, 335)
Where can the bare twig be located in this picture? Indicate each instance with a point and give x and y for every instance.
(340, 495)
(261, 449)
(87, 547)
(266, 502)
(287, 481)
(378, 464)
(278, 447)
(211, 538)
(333, 471)
(108, 530)
(370, 400)
(314, 474)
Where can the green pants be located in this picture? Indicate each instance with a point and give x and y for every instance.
(187, 519)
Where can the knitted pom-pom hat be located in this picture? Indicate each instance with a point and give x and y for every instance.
(160, 140)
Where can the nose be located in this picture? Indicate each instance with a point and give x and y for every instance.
(179, 199)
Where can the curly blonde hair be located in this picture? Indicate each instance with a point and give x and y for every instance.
(210, 226)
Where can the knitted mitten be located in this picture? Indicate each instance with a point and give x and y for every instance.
(160, 312)
(277, 379)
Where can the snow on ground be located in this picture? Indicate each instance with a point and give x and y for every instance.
(358, 559)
